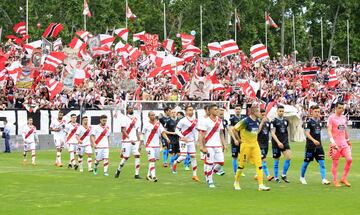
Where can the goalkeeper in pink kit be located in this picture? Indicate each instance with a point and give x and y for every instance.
(340, 145)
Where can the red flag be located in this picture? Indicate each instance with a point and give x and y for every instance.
(53, 30)
(53, 60)
(187, 40)
(333, 81)
(309, 72)
(180, 79)
(169, 45)
(86, 10)
(123, 33)
(247, 89)
(259, 52)
(151, 42)
(75, 43)
(20, 28)
(54, 87)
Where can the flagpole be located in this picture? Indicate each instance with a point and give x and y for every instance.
(266, 30)
(201, 32)
(348, 42)
(27, 19)
(164, 21)
(294, 38)
(235, 25)
(85, 22)
(322, 38)
(126, 8)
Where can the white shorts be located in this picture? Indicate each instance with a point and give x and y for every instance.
(214, 155)
(84, 150)
(153, 153)
(187, 148)
(127, 148)
(102, 154)
(29, 146)
(59, 142)
(72, 147)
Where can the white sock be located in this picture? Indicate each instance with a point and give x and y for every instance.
(137, 166)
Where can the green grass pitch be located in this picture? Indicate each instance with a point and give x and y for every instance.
(46, 189)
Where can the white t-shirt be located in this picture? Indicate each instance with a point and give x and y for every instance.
(155, 141)
(81, 131)
(58, 124)
(97, 131)
(70, 130)
(29, 137)
(125, 123)
(183, 125)
(206, 125)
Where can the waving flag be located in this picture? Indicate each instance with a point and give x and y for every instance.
(54, 87)
(83, 35)
(14, 69)
(180, 79)
(269, 21)
(53, 30)
(139, 36)
(123, 33)
(309, 73)
(20, 28)
(169, 45)
(31, 46)
(75, 43)
(214, 48)
(130, 14)
(229, 47)
(247, 89)
(259, 52)
(86, 10)
(106, 40)
(187, 40)
(53, 60)
(333, 81)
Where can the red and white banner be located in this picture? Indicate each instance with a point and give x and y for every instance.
(104, 50)
(333, 81)
(75, 43)
(106, 40)
(86, 10)
(83, 35)
(31, 46)
(20, 28)
(269, 21)
(138, 36)
(214, 48)
(54, 87)
(53, 60)
(259, 52)
(14, 69)
(247, 89)
(151, 42)
(79, 76)
(129, 14)
(229, 47)
(123, 33)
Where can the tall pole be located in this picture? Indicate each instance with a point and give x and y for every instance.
(27, 19)
(126, 8)
(165, 22)
(322, 39)
(294, 39)
(201, 31)
(235, 25)
(348, 42)
(283, 32)
(266, 30)
(85, 22)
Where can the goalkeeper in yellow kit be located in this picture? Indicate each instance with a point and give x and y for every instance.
(249, 128)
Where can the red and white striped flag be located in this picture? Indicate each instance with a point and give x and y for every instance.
(186, 40)
(54, 87)
(14, 69)
(120, 48)
(31, 46)
(133, 52)
(129, 14)
(333, 81)
(86, 10)
(122, 63)
(269, 21)
(214, 48)
(20, 28)
(83, 35)
(247, 89)
(169, 45)
(53, 30)
(57, 44)
(83, 53)
(259, 52)
(106, 40)
(123, 33)
(53, 60)
(229, 47)
(75, 43)
(79, 76)
(139, 36)
(103, 50)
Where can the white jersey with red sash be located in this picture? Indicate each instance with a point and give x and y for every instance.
(152, 133)
(187, 127)
(212, 130)
(132, 126)
(29, 134)
(70, 130)
(101, 135)
(58, 124)
(84, 135)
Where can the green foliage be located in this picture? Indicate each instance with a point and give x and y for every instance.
(184, 16)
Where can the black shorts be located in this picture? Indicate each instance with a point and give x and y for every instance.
(235, 150)
(264, 151)
(311, 153)
(174, 148)
(277, 151)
